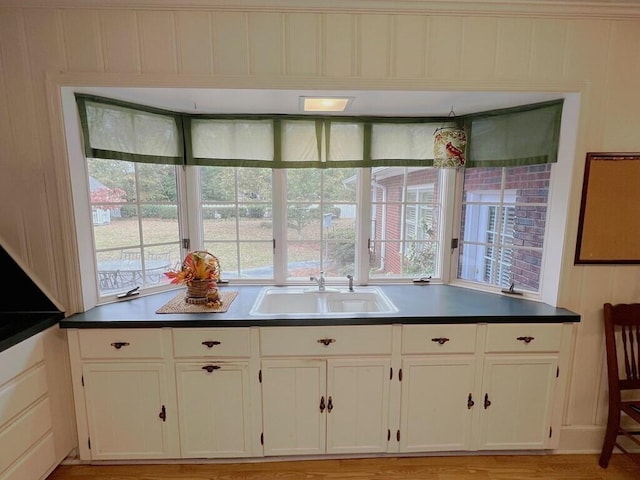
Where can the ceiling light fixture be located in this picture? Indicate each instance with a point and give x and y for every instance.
(325, 104)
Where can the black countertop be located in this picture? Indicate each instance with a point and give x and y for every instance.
(417, 304)
(18, 326)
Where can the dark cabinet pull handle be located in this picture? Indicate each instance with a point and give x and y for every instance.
(487, 402)
(119, 345)
(210, 343)
(211, 368)
(526, 339)
(470, 402)
(440, 340)
(329, 405)
(326, 341)
(322, 405)
(163, 414)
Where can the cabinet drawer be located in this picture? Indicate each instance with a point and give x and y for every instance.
(326, 340)
(121, 343)
(439, 338)
(20, 435)
(524, 337)
(211, 342)
(20, 358)
(35, 463)
(15, 396)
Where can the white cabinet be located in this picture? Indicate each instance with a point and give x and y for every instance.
(165, 393)
(328, 403)
(124, 387)
(484, 387)
(516, 402)
(438, 379)
(213, 391)
(127, 410)
(294, 403)
(521, 373)
(438, 395)
(313, 390)
(358, 405)
(36, 425)
(325, 406)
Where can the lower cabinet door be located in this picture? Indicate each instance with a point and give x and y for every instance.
(213, 405)
(357, 405)
(517, 395)
(293, 406)
(437, 404)
(127, 410)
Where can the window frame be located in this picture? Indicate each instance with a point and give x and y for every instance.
(559, 193)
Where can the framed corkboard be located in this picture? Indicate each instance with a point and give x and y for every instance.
(609, 225)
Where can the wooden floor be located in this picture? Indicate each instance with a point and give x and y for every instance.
(477, 467)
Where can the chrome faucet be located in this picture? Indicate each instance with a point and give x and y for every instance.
(319, 280)
(350, 277)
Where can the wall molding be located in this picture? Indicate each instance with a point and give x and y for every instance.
(620, 9)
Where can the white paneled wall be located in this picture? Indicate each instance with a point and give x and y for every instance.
(110, 43)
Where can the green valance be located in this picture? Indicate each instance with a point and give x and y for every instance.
(524, 135)
(123, 131)
(120, 130)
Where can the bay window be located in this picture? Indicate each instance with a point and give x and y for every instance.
(281, 198)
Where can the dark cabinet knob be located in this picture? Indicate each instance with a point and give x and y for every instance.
(470, 402)
(327, 341)
(329, 405)
(487, 402)
(211, 368)
(119, 345)
(322, 405)
(440, 340)
(210, 343)
(163, 414)
(525, 339)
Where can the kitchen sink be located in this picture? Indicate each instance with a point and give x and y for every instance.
(273, 301)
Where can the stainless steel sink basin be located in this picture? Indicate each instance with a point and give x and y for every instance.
(307, 302)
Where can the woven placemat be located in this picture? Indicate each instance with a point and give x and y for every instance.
(178, 305)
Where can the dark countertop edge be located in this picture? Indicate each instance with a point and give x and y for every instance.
(30, 324)
(300, 322)
(432, 304)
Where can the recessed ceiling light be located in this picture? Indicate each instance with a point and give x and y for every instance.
(325, 104)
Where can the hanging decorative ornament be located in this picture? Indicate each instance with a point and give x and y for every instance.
(449, 145)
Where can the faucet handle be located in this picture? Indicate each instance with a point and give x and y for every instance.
(350, 277)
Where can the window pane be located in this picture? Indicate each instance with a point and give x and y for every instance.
(236, 219)
(303, 259)
(304, 184)
(503, 225)
(321, 215)
(256, 260)
(227, 254)
(159, 223)
(405, 222)
(136, 241)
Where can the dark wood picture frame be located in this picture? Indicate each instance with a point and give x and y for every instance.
(609, 224)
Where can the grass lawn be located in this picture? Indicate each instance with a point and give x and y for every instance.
(220, 235)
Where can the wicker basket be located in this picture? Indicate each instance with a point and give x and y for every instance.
(198, 289)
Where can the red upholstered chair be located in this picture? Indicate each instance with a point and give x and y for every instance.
(622, 336)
